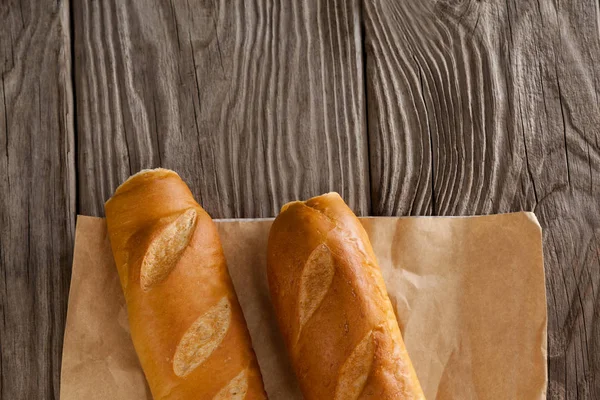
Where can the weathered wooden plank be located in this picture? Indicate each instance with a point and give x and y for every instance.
(37, 195)
(492, 106)
(254, 103)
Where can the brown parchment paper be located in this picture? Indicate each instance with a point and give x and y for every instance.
(468, 291)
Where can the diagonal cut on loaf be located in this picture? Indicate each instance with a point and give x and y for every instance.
(236, 388)
(202, 338)
(315, 281)
(355, 370)
(166, 249)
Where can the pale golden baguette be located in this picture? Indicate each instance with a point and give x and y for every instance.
(186, 324)
(332, 306)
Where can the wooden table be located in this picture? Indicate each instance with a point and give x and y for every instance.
(405, 107)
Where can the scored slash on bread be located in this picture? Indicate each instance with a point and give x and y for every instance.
(166, 249)
(355, 370)
(201, 339)
(236, 389)
(332, 306)
(314, 283)
(186, 324)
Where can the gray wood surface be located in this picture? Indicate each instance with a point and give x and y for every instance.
(253, 104)
(37, 195)
(492, 106)
(415, 107)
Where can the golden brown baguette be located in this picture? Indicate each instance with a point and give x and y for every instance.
(186, 324)
(332, 306)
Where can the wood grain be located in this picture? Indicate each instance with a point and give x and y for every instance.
(254, 104)
(37, 195)
(492, 106)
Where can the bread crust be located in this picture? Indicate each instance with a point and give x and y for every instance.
(332, 305)
(186, 324)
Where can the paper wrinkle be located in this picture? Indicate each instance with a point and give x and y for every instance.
(468, 292)
(533, 218)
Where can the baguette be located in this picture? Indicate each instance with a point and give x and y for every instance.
(186, 324)
(332, 305)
